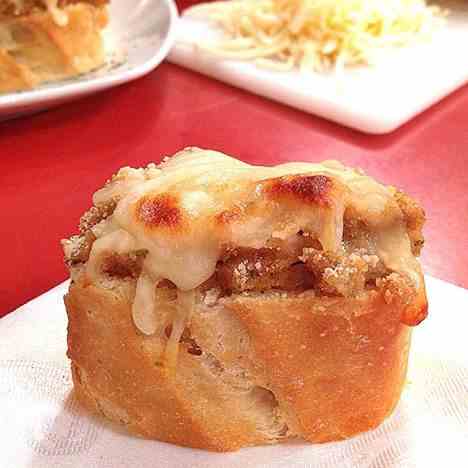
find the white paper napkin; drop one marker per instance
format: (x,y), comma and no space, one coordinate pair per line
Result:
(41,425)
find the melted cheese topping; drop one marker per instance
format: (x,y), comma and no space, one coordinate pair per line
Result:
(123,182)
(185,305)
(184,213)
(394,249)
(207,183)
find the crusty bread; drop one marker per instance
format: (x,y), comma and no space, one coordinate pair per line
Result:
(35,47)
(295,366)
(256,365)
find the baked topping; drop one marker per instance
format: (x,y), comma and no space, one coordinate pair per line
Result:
(247,269)
(202,201)
(205,220)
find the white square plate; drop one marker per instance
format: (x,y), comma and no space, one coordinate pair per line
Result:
(140,33)
(371,99)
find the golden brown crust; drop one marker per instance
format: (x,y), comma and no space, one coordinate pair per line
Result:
(13,75)
(313,189)
(291,365)
(39,49)
(159,212)
(338,366)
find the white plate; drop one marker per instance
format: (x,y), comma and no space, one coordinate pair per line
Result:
(373,100)
(141,33)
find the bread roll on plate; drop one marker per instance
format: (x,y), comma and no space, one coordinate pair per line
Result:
(218,305)
(49,40)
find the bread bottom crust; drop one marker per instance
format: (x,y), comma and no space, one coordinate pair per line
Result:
(34,49)
(257,368)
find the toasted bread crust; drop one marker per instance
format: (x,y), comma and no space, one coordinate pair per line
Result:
(335,367)
(116,373)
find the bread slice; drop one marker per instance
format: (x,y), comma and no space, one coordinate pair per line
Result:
(298,329)
(39,44)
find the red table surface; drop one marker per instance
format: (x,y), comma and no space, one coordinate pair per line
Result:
(51,163)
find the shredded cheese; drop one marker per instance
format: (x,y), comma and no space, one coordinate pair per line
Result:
(316,34)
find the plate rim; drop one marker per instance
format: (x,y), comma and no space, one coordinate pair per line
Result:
(13,101)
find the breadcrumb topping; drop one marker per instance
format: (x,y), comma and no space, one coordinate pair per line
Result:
(288,262)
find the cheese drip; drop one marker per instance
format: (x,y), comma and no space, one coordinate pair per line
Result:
(393,246)
(144,305)
(205,184)
(184,309)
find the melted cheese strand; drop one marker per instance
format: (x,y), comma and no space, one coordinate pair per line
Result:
(184,309)
(144,305)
